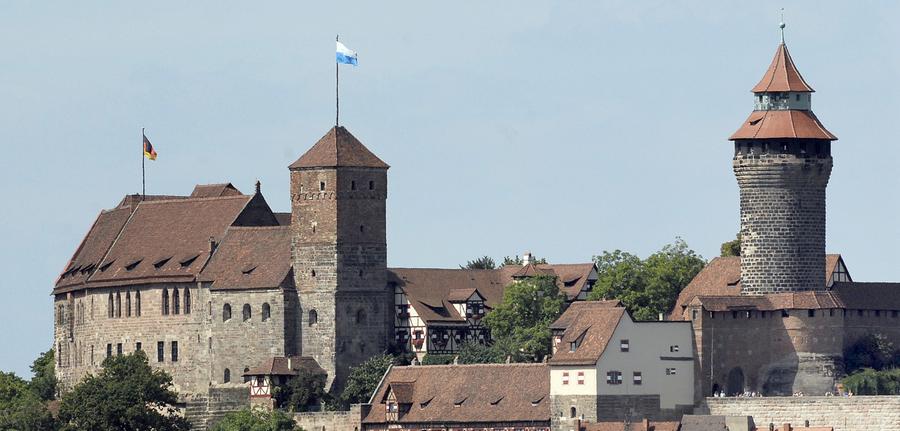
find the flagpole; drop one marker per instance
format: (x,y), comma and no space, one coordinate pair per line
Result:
(143,175)
(337,98)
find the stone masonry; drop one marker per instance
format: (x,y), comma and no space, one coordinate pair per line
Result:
(844,414)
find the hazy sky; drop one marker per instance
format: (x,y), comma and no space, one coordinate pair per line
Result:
(563,128)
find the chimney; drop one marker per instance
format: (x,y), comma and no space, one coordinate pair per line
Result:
(527,258)
(212,244)
(257,186)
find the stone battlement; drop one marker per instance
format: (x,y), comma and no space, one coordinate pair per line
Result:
(858,413)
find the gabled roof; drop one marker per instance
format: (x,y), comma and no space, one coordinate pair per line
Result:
(338,148)
(532,270)
(467,393)
(595,321)
(843,295)
(782,75)
(284,366)
(782,124)
(251,258)
(214,190)
(93,247)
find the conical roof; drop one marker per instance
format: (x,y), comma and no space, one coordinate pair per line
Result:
(782,75)
(338,148)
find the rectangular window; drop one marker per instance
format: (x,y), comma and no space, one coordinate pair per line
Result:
(877,313)
(894,313)
(859,313)
(108,350)
(119,349)
(614,378)
(572,346)
(811,313)
(693,314)
(712,314)
(160,351)
(637,378)
(624,345)
(673,348)
(670,371)
(581,377)
(565,378)
(831,312)
(322,186)
(734,314)
(137,346)
(174,351)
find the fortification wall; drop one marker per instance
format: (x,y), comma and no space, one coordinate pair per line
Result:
(859,413)
(331,421)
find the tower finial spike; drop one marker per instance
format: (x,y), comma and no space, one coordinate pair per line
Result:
(781,25)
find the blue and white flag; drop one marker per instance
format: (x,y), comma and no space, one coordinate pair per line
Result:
(345,55)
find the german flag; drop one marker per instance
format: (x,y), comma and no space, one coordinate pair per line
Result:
(149,152)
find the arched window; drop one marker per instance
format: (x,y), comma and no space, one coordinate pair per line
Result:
(266,311)
(226,312)
(165,302)
(361,316)
(110,309)
(118,304)
(227,376)
(187,301)
(572,412)
(127,303)
(313,318)
(246,377)
(176,301)
(137,303)
(246,312)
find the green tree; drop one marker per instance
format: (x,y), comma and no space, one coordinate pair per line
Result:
(733,247)
(126,395)
(44,381)
(476,353)
(435,359)
(255,420)
(520,324)
(364,379)
(516,260)
(20,407)
(650,286)
(874,350)
(872,382)
(483,262)
(301,392)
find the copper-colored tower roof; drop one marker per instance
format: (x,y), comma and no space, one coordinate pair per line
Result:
(782,124)
(338,148)
(782,75)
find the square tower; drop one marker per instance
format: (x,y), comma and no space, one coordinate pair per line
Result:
(339,253)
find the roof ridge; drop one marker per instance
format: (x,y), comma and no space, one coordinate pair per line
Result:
(257,227)
(190,199)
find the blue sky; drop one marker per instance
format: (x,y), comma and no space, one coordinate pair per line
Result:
(563,128)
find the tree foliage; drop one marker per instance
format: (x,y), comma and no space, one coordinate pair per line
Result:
(364,378)
(650,286)
(301,392)
(256,420)
(126,395)
(733,247)
(517,260)
(436,359)
(520,324)
(20,407)
(874,351)
(44,381)
(872,382)
(483,262)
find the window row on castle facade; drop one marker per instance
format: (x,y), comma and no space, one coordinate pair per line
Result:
(247,312)
(64,357)
(825,312)
(174,307)
(323,186)
(114,307)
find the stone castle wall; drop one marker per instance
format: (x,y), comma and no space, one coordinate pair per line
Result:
(858,413)
(332,420)
(782,217)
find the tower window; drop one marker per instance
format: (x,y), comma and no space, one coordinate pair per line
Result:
(352,185)
(266,311)
(226,312)
(312,273)
(321,185)
(362,228)
(226,378)
(160,351)
(246,312)
(371,185)
(313,318)
(174,351)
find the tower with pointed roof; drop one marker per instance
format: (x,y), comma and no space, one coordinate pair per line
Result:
(339,253)
(782,161)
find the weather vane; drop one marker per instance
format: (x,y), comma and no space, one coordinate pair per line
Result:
(781,25)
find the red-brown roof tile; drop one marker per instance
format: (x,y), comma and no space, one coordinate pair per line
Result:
(782,75)
(284,366)
(595,321)
(782,124)
(214,190)
(468,393)
(338,148)
(644,425)
(93,247)
(251,258)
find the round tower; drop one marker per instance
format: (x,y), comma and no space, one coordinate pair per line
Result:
(782,161)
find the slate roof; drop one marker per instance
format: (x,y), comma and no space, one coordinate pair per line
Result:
(251,258)
(468,393)
(782,75)
(777,124)
(338,148)
(430,290)
(722,277)
(595,321)
(278,366)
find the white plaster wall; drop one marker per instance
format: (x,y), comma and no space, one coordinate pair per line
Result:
(573,388)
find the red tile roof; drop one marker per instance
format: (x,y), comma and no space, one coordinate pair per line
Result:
(595,321)
(782,75)
(782,124)
(467,393)
(846,295)
(251,258)
(643,425)
(93,247)
(338,148)
(284,366)
(214,190)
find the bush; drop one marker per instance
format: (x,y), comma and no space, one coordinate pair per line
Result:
(432,359)
(301,392)
(873,351)
(872,382)
(256,420)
